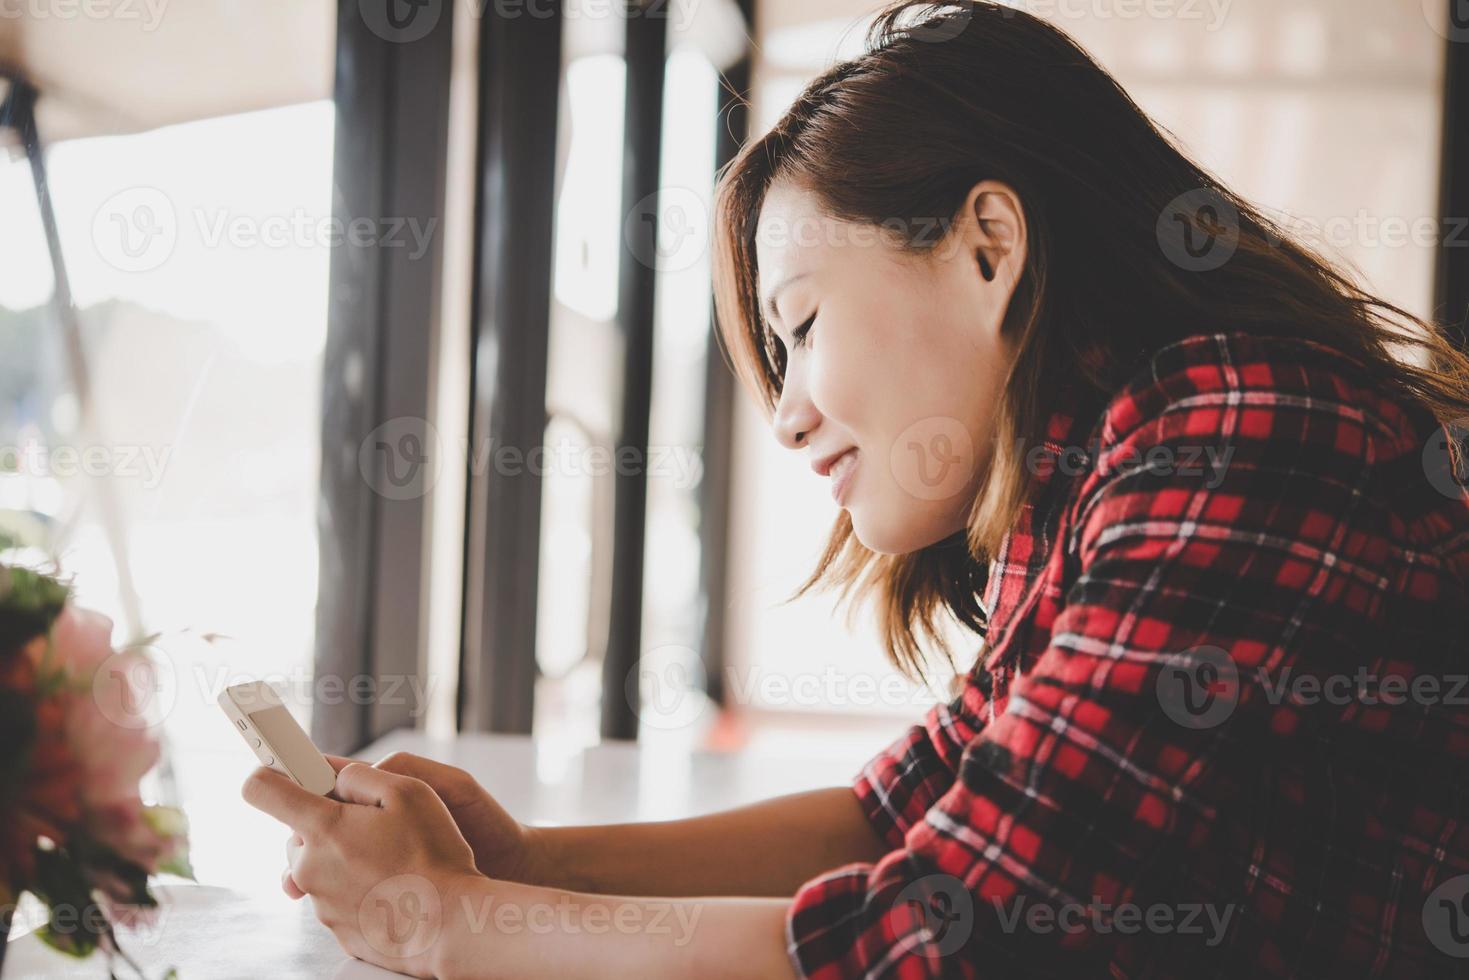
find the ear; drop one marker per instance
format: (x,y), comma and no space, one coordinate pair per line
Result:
(992,230)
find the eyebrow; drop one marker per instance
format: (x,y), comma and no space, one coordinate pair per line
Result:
(770,312)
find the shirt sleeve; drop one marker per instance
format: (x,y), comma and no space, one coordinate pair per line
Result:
(899,784)
(1103,781)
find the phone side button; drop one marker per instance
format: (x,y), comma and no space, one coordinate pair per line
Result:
(268,760)
(255,743)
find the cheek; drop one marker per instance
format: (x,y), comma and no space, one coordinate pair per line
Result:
(866,366)
(841,378)
(925,461)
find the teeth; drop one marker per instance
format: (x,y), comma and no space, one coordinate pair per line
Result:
(841,465)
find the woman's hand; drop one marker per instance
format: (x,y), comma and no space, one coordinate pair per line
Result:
(393,879)
(383,866)
(503,847)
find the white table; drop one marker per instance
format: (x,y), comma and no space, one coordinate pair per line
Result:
(236,922)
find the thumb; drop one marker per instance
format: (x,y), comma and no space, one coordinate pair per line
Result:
(300,809)
(338,762)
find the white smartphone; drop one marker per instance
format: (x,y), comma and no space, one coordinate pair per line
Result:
(260,716)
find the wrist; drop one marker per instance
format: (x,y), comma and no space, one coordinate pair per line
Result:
(548,863)
(452,952)
(536,862)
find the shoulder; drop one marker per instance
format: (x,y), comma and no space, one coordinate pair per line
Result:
(1260,455)
(1268,389)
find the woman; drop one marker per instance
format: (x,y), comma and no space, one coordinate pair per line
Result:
(1189,482)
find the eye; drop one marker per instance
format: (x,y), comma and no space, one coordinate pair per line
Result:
(798,335)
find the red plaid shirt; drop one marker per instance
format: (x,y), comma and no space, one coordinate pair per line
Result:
(1201,752)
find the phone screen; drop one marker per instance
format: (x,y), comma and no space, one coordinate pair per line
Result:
(282,732)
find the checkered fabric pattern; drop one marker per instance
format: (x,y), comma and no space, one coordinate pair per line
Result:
(1224,730)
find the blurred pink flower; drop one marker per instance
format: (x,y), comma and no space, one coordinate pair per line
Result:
(110,732)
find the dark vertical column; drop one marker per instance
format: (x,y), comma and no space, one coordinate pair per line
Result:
(520,71)
(1451,280)
(378,452)
(732,129)
(647,30)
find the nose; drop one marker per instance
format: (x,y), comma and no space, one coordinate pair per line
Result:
(795,414)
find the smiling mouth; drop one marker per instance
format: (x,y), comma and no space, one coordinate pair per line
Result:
(841,472)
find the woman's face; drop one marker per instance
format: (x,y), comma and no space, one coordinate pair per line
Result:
(902,367)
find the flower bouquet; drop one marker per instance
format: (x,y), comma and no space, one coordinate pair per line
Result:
(74,830)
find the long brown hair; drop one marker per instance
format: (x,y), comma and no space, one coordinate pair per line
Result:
(948,94)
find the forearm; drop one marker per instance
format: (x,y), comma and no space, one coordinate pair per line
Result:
(497,929)
(767,848)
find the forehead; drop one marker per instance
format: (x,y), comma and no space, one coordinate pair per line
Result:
(788,232)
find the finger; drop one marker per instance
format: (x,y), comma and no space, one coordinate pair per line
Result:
(293,847)
(444,779)
(289,886)
(359,783)
(296,807)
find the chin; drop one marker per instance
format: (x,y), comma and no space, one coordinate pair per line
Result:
(899,534)
(885,537)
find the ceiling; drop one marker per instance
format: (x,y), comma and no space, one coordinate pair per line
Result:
(141,64)
(116,66)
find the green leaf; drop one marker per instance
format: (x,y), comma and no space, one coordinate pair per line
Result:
(17,735)
(166,821)
(179,865)
(73,942)
(76,922)
(170,822)
(94,858)
(30,601)
(22,529)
